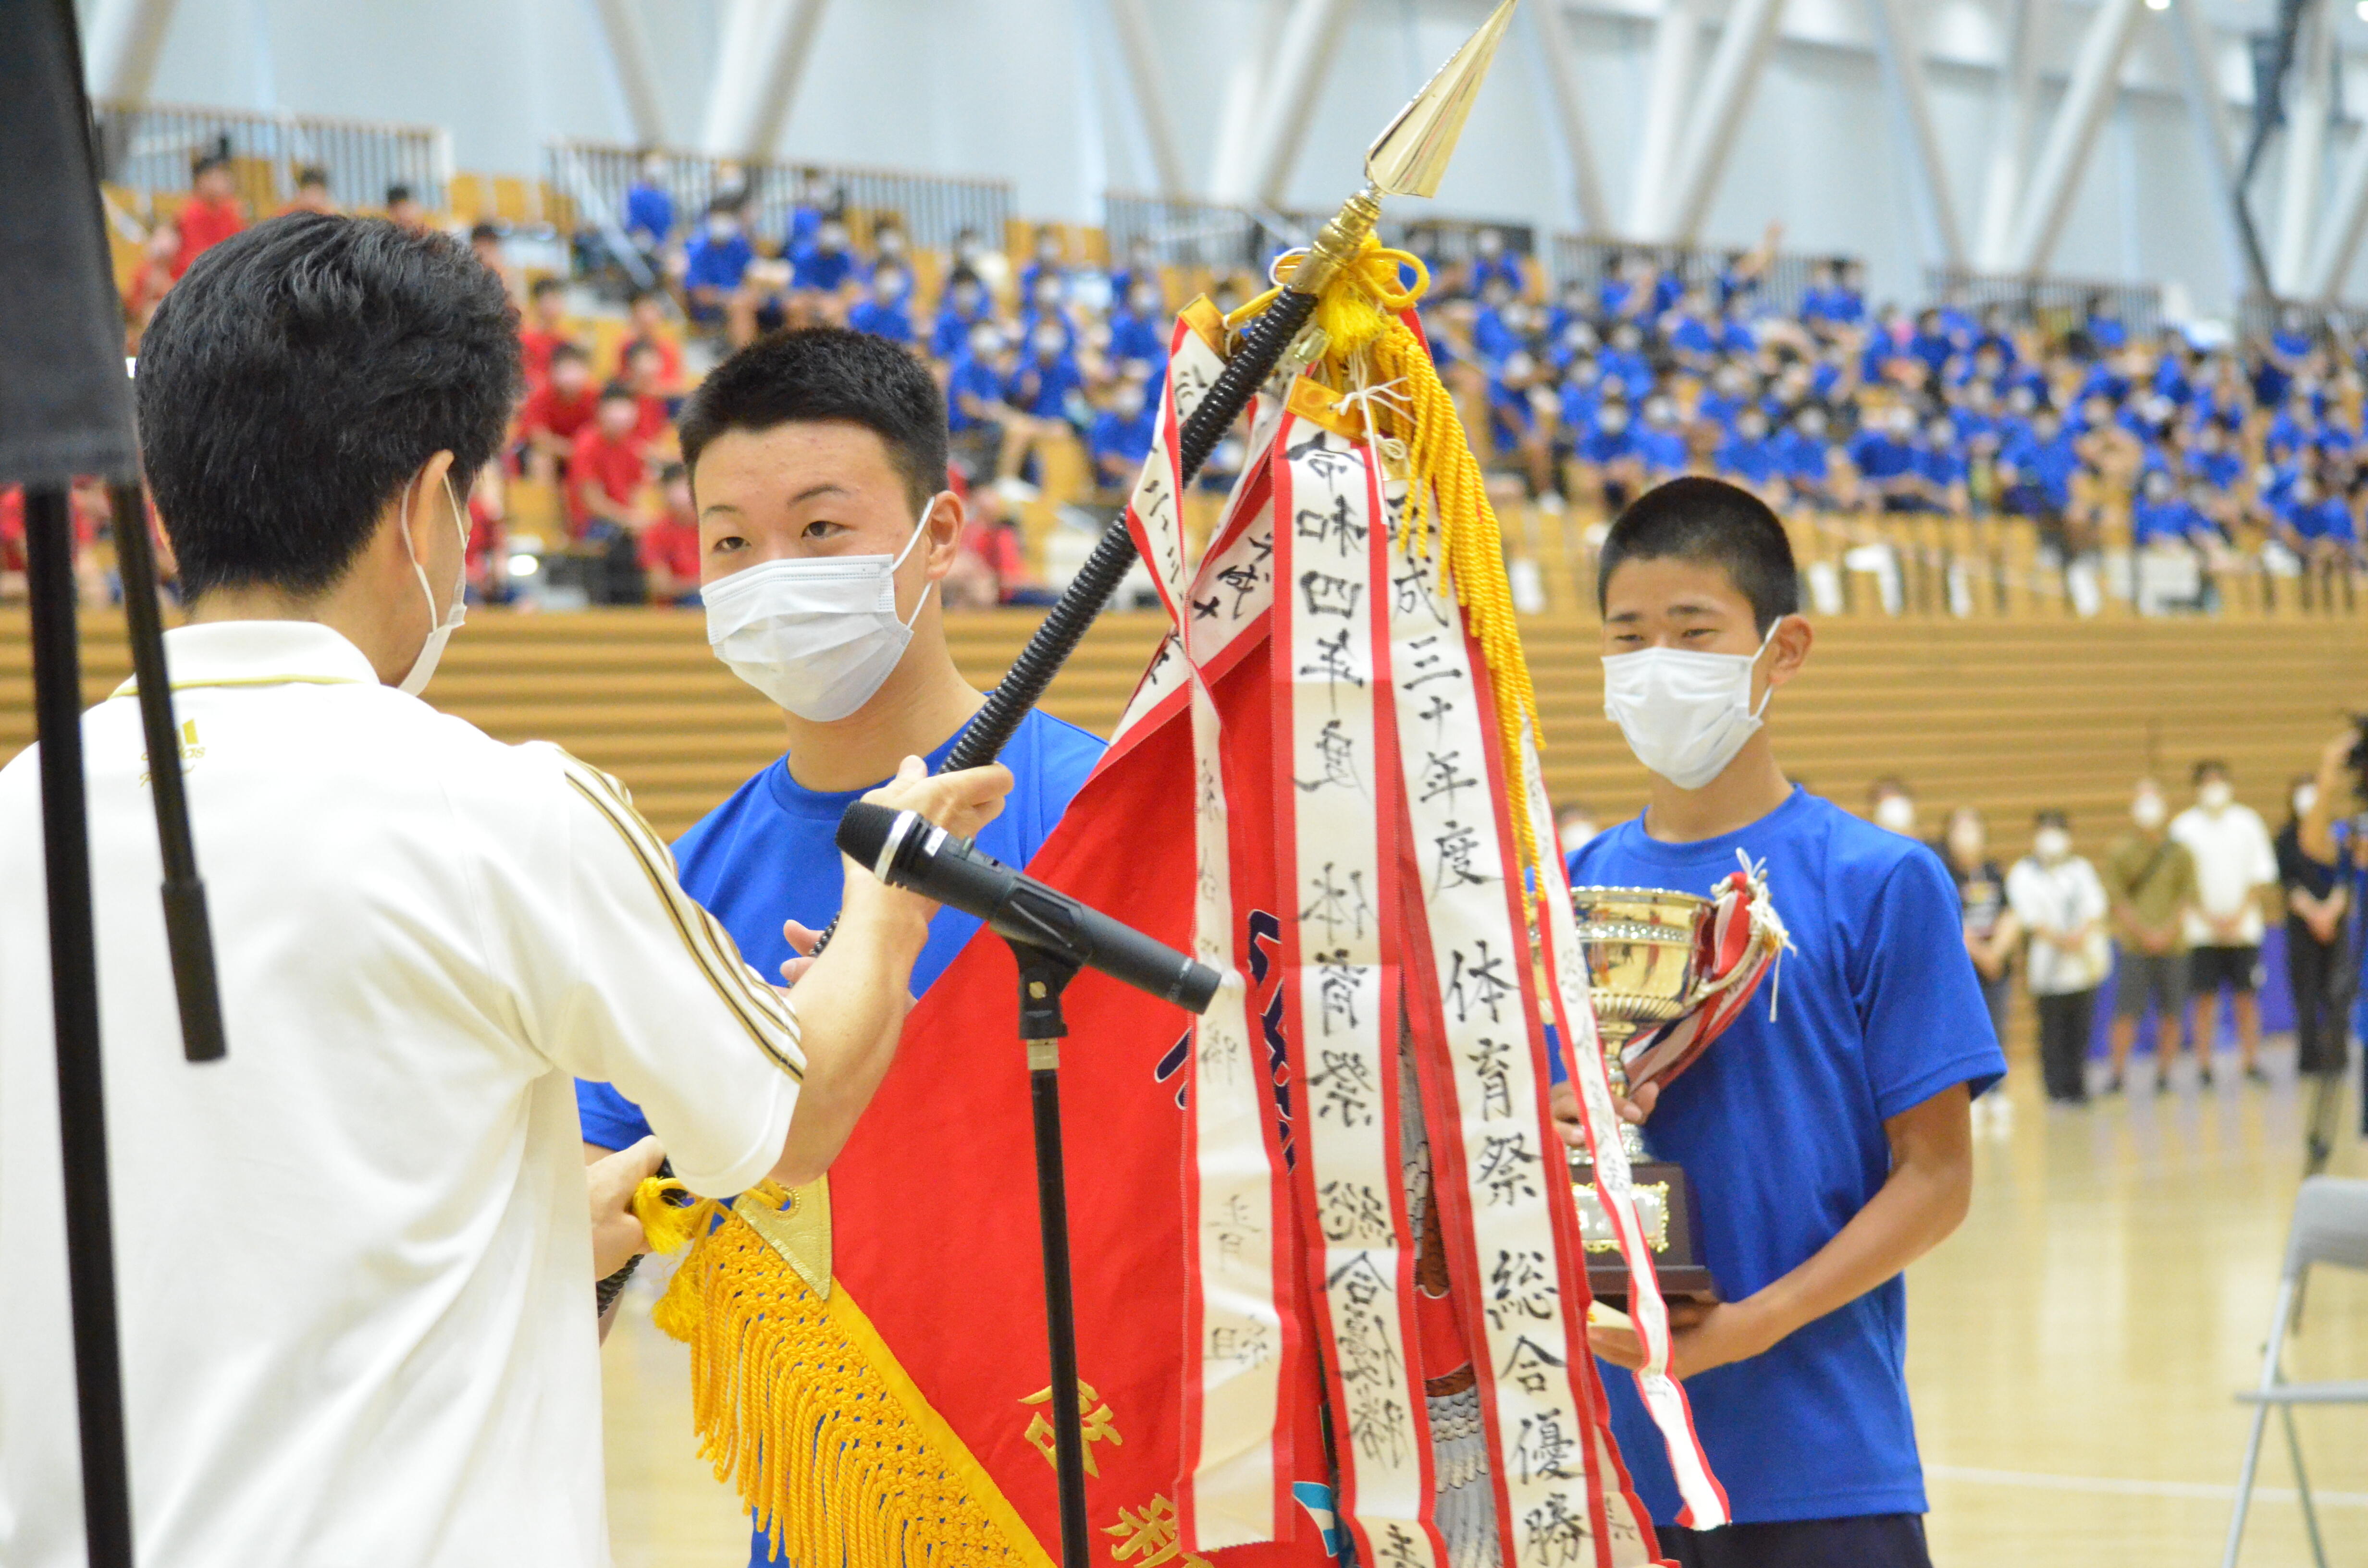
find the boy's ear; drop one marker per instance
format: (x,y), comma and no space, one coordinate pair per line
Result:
(1788,649)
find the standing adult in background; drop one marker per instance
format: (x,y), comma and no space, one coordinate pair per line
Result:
(2058,900)
(817,462)
(2331,831)
(2150,879)
(1991,928)
(2318,895)
(2236,878)
(355,1275)
(1891,806)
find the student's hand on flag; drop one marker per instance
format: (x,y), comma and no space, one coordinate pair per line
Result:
(960,802)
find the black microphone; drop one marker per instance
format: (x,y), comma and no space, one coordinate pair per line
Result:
(905,849)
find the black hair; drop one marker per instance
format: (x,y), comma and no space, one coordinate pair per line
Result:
(2209,767)
(298,377)
(396,195)
(1709,520)
(672,472)
(483,232)
(542,286)
(618,392)
(2052,817)
(207,163)
(313,174)
(822,373)
(569,351)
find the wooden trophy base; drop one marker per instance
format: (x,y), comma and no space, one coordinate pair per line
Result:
(1672,1222)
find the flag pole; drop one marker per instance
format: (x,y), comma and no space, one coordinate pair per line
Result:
(1407,159)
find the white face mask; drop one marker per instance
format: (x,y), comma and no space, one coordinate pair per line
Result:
(2215,795)
(819,636)
(2147,812)
(1896,813)
(1685,713)
(2051,844)
(1575,835)
(2305,797)
(441,623)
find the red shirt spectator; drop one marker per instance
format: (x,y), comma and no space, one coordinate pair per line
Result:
(544,330)
(671,545)
(212,213)
(535,349)
(617,464)
(548,409)
(669,365)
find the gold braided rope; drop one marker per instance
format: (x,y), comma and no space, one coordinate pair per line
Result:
(1371,353)
(799,1403)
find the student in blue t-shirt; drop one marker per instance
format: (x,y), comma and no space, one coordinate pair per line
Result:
(1830,1145)
(812,453)
(1120,436)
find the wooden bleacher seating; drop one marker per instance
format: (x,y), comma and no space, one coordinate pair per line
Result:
(2007,715)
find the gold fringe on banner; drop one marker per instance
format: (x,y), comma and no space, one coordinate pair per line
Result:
(800,1403)
(1381,368)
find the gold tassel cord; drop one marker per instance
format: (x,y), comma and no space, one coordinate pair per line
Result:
(1366,348)
(669,1216)
(798,1404)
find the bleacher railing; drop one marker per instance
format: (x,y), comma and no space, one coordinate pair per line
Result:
(1587,261)
(2055,305)
(933,208)
(150,147)
(1229,238)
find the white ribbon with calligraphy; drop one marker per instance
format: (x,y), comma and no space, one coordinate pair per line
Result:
(1493,1142)
(1233,1491)
(1332,834)
(1705,1501)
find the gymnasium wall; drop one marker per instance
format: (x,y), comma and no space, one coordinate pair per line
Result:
(1034,91)
(2006,715)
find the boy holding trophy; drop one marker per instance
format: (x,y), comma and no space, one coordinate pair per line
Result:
(1827,1146)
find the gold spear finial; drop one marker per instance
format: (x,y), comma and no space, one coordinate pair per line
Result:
(1408,158)
(1410,155)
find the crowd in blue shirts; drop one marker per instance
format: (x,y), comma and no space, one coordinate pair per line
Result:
(1597,387)
(2102,437)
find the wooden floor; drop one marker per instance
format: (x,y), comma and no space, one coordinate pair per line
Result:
(2072,1351)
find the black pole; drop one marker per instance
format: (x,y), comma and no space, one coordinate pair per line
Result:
(74,993)
(1041,977)
(187,932)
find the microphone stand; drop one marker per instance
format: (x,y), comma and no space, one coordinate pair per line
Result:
(1043,975)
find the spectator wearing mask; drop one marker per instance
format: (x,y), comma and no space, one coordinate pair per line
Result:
(643,374)
(2318,898)
(404,210)
(822,276)
(964,306)
(2057,900)
(212,213)
(1891,806)
(1940,466)
(1493,263)
(1991,929)
(1885,456)
(2150,879)
(557,412)
(1608,459)
(646,311)
(1139,328)
(716,279)
(1042,384)
(649,206)
(1046,268)
(669,544)
(1802,457)
(1047,310)
(607,467)
(1121,437)
(1660,444)
(543,331)
(2236,880)
(1747,456)
(885,310)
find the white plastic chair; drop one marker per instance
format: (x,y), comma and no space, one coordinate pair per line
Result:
(2331,1226)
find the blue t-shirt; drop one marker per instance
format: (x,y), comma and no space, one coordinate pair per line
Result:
(1779,1129)
(1130,438)
(824,271)
(893,321)
(649,212)
(767,856)
(710,263)
(971,377)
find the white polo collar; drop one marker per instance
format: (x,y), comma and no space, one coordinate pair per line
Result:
(260,653)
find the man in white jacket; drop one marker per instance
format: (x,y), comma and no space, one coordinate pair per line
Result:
(356,1275)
